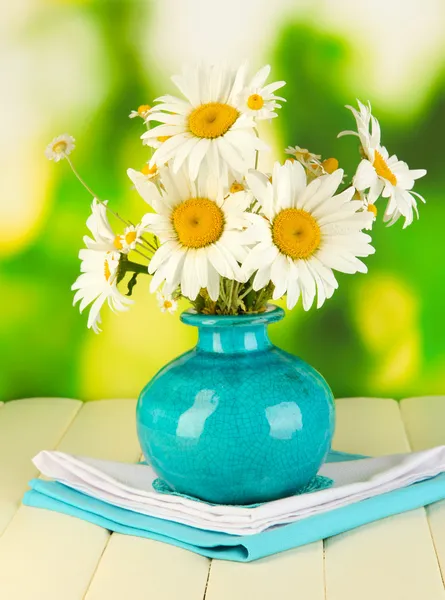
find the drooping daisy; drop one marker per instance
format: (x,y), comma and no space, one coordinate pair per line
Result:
(141,112)
(60,147)
(104,238)
(166,302)
(308,232)
(315,167)
(383,174)
(98,284)
(209,126)
(259,99)
(203,232)
(368,206)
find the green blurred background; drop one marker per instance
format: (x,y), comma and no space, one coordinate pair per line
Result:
(80,67)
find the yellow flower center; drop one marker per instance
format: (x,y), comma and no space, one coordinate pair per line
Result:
(130,237)
(167,304)
(330,165)
(372,209)
(296,233)
(60,147)
(147,170)
(117,243)
(382,169)
(163,138)
(236,187)
(212,120)
(107,271)
(255,102)
(143,108)
(198,222)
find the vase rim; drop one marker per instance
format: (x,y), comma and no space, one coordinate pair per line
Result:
(270,315)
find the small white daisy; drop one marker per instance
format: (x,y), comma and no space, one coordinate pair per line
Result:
(60,147)
(104,238)
(209,126)
(308,231)
(203,232)
(129,239)
(315,167)
(166,302)
(383,174)
(141,112)
(98,284)
(368,206)
(258,99)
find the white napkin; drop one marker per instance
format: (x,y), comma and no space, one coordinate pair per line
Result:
(130,486)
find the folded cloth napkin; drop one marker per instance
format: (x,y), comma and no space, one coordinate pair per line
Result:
(129,487)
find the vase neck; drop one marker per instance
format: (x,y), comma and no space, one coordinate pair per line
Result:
(233,334)
(234,339)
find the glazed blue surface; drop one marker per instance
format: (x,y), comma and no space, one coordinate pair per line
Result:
(236,420)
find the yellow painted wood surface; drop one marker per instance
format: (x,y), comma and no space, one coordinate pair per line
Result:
(49,556)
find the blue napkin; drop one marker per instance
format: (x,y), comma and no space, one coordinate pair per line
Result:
(60,498)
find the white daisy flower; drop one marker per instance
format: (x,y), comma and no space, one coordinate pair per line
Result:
(203,232)
(129,239)
(141,112)
(312,162)
(166,302)
(60,147)
(383,174)
(308,232)
(98,284)
(208,126)
(368,206)
(258,99)
(104,238)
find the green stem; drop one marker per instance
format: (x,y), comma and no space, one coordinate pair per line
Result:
(133,267)
(115,214)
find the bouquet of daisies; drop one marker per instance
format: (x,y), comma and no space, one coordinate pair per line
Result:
(218,231)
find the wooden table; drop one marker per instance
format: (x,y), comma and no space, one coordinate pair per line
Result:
(50,556)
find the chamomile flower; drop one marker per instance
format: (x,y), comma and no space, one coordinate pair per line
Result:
(258,99)
(60,147)
(129,239)
(97,284)
(383,174)
(166,302)
(368,206)
(202,229)
(315,167)
(208,126)
(141,112)
(308,231)
(104,238)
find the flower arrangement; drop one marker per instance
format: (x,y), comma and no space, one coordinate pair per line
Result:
(222,233)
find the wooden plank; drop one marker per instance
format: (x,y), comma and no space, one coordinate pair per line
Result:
(393,558)
(424,419)
(43,553)
(27,426)
(302,575)
(369,425)
(290,575)
(104,429)
(138,569)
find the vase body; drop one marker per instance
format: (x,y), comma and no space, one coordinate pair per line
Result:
(236,420)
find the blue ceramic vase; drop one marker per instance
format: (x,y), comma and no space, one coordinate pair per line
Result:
(236,420)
